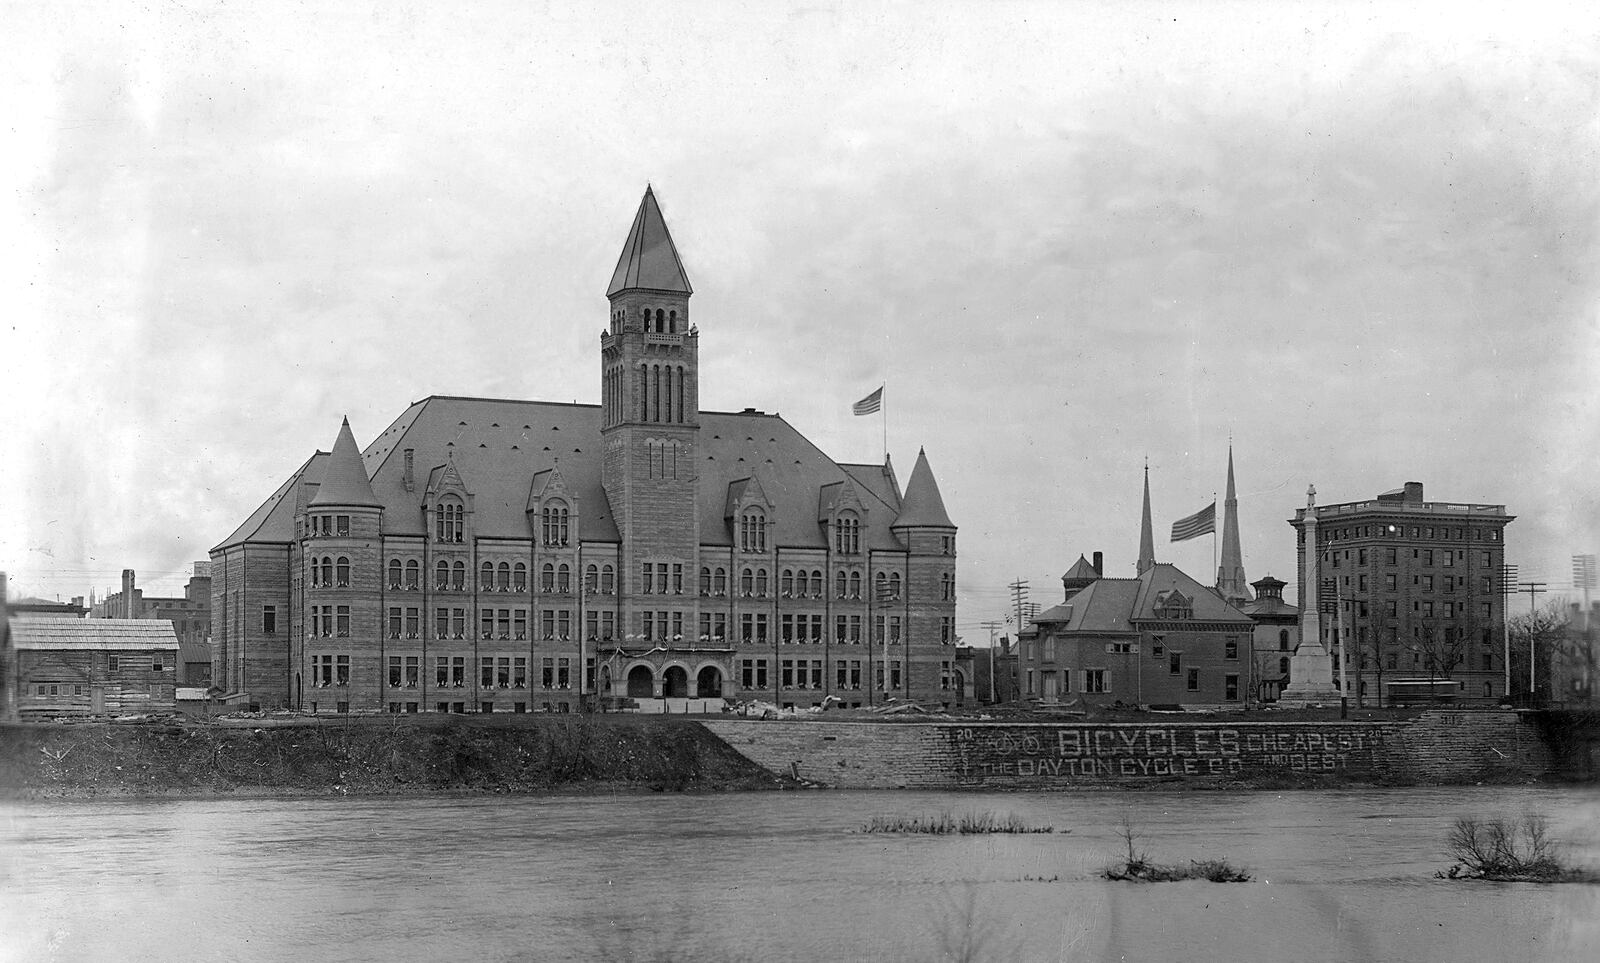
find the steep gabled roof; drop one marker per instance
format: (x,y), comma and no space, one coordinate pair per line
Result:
(1103,606)
(1165,577)
(498,447)
(1081,569)
(273,521)
(649,258)
(344,481)
(923,506)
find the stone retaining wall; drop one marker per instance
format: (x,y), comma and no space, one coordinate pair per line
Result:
(1460,746)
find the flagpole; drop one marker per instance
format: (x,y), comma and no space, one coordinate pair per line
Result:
(883,409)
(1213,531)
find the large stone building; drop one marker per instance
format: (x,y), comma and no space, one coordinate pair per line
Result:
(1412,589)
(508,556)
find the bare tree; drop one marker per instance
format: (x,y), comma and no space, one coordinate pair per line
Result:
(1441,649)
(1560,649)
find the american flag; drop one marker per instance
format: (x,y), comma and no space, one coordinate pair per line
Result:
(1200,523)
(870,404)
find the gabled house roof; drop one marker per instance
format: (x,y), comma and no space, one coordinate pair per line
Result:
(114,634)
(1120,604)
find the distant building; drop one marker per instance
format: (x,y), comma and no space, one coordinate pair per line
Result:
(513,556)
(190,617)
(1574,665)
(1273,641)
(77,666)
(31,608)
(1161,638)
(1411,588)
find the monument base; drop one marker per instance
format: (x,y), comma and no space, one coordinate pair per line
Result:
(1310,678)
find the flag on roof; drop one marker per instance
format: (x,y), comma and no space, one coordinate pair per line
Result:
(1203,522)
(871,404)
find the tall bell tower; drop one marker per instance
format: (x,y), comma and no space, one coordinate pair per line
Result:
(650,401)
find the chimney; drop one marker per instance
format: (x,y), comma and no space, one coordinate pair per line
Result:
(408,478)
(1099,563)
(1413,493)
(127,594)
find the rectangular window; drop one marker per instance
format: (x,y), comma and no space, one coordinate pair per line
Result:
(1094,680)
(841,674)
(1194,680)
(520,625)
(1487,610)
(343,620)
(1230,649)
(441,671)
(563,673)
(677,579)
(269,619)
(341,670)
(816,673)
(486,672)
(1427,583)
(519,673)
(894,630)
(1389,556)
(441,623)
(855,673)
(1175,663)
(547,624)
(648,582)
(855,630)
(343,524)
(413,670)
(1230,688)
(786,673)
(747,627)
(394,671)
(113,663)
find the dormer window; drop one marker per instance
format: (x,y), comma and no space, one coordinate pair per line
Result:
(449,518)
(1174,606)
(847,534)
(554,523)
(753,530)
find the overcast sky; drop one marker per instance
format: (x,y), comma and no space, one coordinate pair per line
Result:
(1069,237)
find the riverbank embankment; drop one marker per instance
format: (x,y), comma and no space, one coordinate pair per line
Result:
(371,756)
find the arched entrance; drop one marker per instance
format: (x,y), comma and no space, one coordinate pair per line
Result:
(708,683)
(641,682)
(675,683)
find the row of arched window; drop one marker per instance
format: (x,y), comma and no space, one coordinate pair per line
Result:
(657,321)
(328,572)
(798,583)
(662,393)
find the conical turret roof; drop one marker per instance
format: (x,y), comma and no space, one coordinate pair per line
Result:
(649,258)
(345,481)
(923,506)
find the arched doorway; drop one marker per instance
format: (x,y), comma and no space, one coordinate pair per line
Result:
(675,683)
(708,683)
(641,682)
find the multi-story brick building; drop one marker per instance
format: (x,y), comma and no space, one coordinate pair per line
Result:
(1415,592)
(510,556)
(190,615)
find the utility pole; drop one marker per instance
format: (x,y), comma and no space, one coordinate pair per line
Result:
(991,626)
(1533,589)
(1019,597)
(1508,582)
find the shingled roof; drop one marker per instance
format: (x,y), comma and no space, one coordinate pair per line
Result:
(135,634)
(498,446)
(1115,604)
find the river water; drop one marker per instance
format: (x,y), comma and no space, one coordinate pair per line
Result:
(1340,876)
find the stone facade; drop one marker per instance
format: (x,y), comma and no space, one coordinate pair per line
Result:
(1438,746)
(509,556)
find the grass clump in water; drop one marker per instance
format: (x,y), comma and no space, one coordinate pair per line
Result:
(1509,851)
(946,824)
(1138,868)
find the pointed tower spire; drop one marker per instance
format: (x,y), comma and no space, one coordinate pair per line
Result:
(649,258)
(1231,584)
(923,506)
(1147,537)
(345,481)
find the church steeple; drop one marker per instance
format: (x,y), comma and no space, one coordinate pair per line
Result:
(1147,538)
(1231,584)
